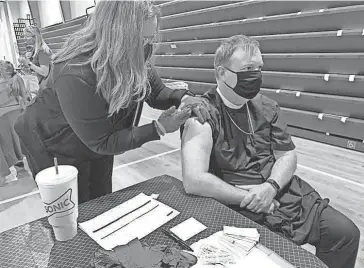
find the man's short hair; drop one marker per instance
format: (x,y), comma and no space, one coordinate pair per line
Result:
(228,47)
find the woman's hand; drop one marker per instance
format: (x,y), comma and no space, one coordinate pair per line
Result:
(172,119)
(23,61)
(200,107)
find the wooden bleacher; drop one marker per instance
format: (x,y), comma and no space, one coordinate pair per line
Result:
(301,42)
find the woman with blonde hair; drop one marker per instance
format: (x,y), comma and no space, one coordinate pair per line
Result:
(38,55)
(13,99)
(90,108)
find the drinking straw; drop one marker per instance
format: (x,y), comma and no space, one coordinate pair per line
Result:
(56,164)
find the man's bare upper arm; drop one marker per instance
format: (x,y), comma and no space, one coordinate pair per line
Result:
(196,147)
(278,154)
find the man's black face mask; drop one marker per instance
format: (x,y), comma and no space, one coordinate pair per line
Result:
(148,51)
(248,83)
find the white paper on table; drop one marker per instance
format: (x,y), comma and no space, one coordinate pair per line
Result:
(187,229)
(139,228)
(256,258)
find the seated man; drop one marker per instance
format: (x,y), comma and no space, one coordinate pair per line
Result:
(246,160)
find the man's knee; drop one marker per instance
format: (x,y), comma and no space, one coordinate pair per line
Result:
(339,239)
(351,233)
(342,231)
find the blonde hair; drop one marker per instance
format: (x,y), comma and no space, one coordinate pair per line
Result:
(228,47)
(39,44)
(16,84)
(113,42)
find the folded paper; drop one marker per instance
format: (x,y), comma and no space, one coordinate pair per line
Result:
(133,214)
(187,229)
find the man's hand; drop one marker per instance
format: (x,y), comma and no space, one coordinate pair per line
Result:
(200,107)
(270,209)
(259,197)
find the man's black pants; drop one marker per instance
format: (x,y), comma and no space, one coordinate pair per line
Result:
(339,242)
(339,237)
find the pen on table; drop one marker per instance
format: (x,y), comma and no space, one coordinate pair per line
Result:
(182,243)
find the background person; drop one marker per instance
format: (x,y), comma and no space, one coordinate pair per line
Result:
(13,99)
(38,55)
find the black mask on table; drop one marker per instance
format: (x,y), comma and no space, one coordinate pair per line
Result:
(248,83)
(148,51)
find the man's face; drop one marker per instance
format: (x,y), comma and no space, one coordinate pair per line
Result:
(240,61)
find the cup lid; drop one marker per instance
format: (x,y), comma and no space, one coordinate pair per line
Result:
(48,176)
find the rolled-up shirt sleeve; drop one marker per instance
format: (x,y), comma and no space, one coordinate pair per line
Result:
(280,138)
(87,114)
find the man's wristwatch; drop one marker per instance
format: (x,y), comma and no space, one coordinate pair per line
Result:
(274,184)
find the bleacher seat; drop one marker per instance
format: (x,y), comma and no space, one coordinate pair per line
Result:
(341,63)
(319,42)
(310,21)
(181,6)
(243,10)
(315,83)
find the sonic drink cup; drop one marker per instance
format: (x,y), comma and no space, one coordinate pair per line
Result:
(59,193)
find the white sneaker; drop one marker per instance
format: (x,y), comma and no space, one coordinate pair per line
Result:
(12,176)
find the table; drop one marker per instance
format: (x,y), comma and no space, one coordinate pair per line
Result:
(33,245)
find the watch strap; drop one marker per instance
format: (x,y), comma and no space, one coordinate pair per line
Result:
(274,184)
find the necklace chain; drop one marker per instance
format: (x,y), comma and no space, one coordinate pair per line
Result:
(249,119)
